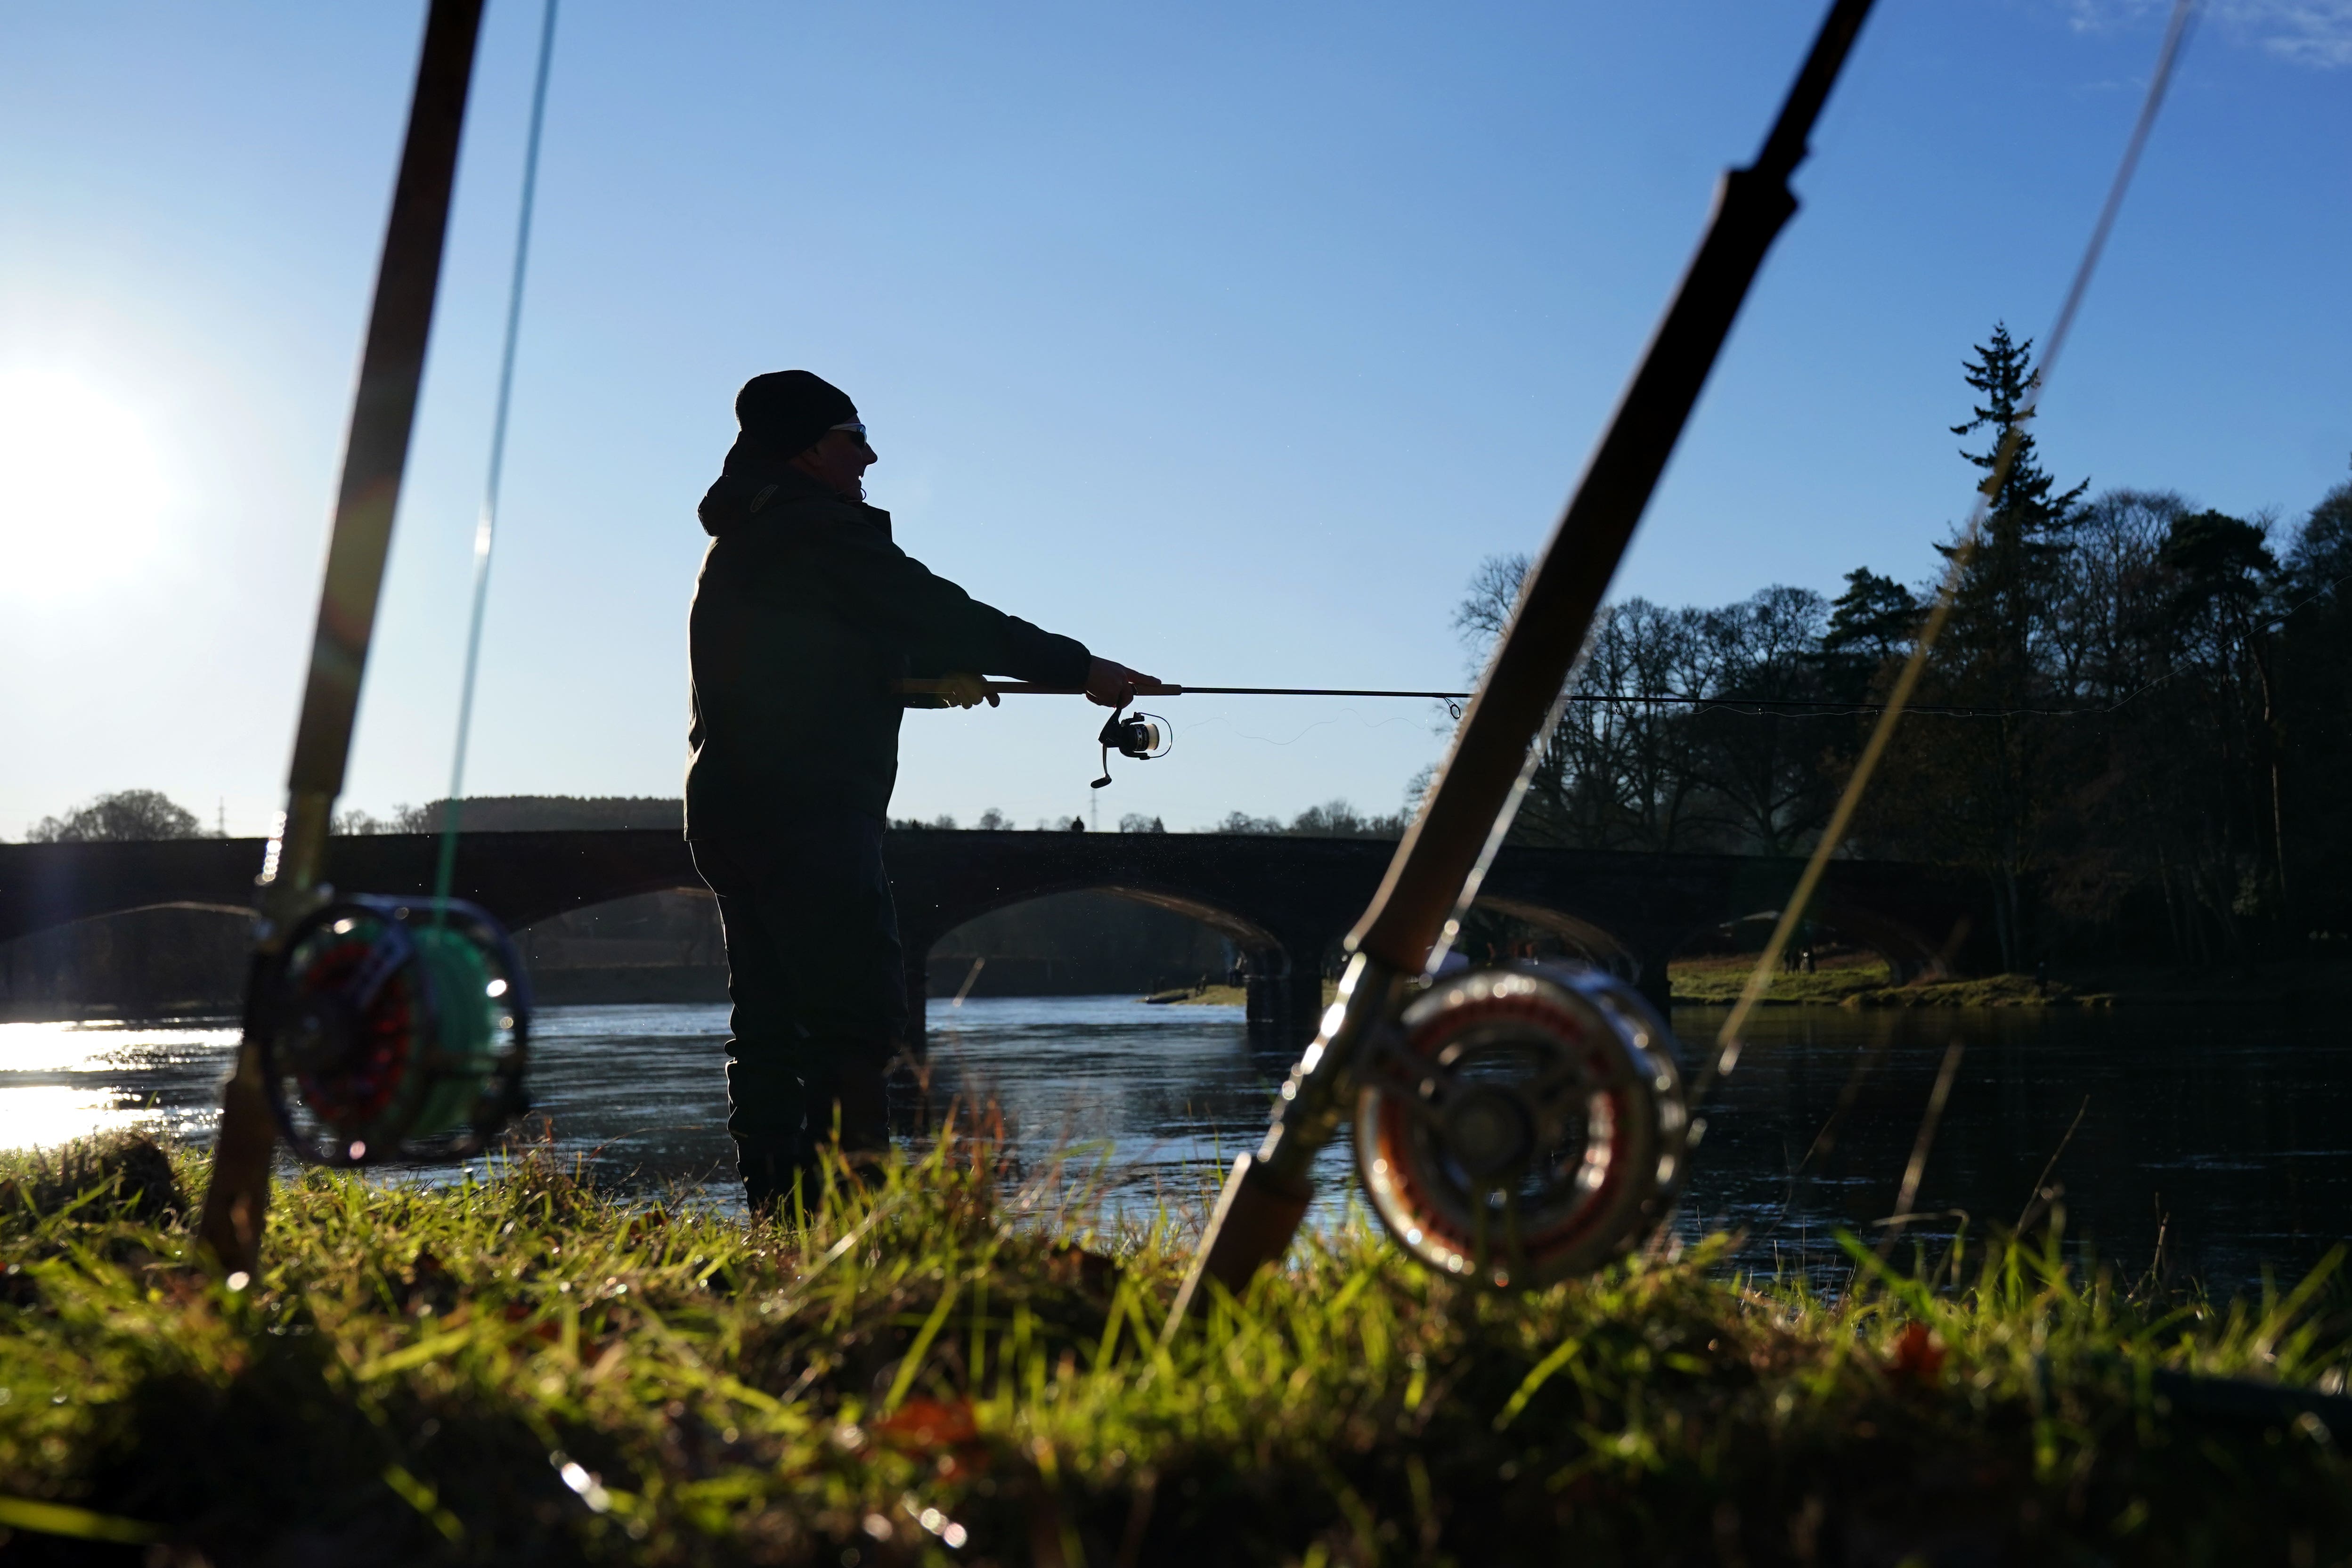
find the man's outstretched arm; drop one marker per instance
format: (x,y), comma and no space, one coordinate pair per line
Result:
(1110,684)
(882,585)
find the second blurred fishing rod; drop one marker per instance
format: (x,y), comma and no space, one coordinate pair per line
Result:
(1471,1169)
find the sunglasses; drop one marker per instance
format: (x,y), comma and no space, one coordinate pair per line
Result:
(854,428)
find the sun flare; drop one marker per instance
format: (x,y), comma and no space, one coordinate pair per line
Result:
(80,485)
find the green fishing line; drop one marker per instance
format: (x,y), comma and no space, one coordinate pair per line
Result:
(487,529)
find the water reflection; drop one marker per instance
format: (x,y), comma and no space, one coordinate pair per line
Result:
(1170,1094)
(2219,1133)
(2224,1132)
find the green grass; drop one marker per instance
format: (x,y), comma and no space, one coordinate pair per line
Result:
(1992,991)
(1868,983)
(1717,981)
(525,1371)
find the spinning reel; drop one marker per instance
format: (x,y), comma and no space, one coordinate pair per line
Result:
(1145,736)
(1522,1124)
(396,1030)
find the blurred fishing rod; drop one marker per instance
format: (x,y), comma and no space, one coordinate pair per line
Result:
(375,1028)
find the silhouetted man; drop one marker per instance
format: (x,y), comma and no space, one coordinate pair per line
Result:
(805,616)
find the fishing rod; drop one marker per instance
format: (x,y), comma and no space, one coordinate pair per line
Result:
(1142,737)
(1146,738)
(1826,706)
(374,1028)
(942,688)
(1515,1126)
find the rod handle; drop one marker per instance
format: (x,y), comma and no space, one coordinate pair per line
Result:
(1257,1213)
(924,688)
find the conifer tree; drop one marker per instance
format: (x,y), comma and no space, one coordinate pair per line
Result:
(2005,588)
(1871,626)
(1984,792)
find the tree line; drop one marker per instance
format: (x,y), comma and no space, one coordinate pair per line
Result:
(2153,711)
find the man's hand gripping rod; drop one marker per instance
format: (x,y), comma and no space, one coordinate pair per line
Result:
(1438,864)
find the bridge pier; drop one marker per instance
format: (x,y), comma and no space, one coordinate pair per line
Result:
(916,968)
(1651,982)
(1284,987)
(1266,1000)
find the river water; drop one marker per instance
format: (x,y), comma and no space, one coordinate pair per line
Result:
(2222,1137)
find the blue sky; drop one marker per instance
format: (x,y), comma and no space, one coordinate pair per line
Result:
(1226,337)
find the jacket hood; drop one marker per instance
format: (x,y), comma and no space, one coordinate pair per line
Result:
(753,481)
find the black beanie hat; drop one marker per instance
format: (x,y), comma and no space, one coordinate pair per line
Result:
(787,411)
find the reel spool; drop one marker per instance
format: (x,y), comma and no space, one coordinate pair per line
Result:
(1524,1124)
(1145,736)
(393,1034)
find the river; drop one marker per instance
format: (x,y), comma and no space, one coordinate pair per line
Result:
(2223,1135)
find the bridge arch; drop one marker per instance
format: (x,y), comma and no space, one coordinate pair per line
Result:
(659,945)
(1273,963)
(1591,941)
(1909,953)
(1216,914)
(169,958)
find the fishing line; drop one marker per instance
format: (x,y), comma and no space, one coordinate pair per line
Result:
(1727,1039)
(1227,719)
(485,530)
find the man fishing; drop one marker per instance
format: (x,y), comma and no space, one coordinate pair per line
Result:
(805,616)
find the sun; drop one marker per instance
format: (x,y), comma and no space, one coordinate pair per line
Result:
(80,485)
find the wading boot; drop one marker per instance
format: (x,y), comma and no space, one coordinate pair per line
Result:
(855,1119)
(769,1168)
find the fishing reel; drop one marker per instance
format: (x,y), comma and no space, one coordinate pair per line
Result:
(1145,736)
(395,1030)
(1523,1124)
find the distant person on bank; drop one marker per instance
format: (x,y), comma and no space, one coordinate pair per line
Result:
(805,615)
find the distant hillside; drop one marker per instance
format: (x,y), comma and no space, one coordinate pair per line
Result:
(526,813)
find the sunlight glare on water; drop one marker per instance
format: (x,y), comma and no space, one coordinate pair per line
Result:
(104,1046)
(64,1080)
(42,1116)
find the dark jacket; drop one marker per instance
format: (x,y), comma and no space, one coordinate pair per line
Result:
(805,615)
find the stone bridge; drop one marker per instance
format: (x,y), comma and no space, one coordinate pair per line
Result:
(1285,902)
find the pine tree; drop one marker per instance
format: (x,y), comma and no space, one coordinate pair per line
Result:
(1871,626)
(2004,593)
(1985,791)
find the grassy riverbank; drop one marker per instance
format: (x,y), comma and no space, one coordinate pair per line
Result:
(1717,980)
(525,1371)
(1853,979)
(1988,991)
(1859,981)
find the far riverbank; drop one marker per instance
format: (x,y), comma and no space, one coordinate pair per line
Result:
(1853,980)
